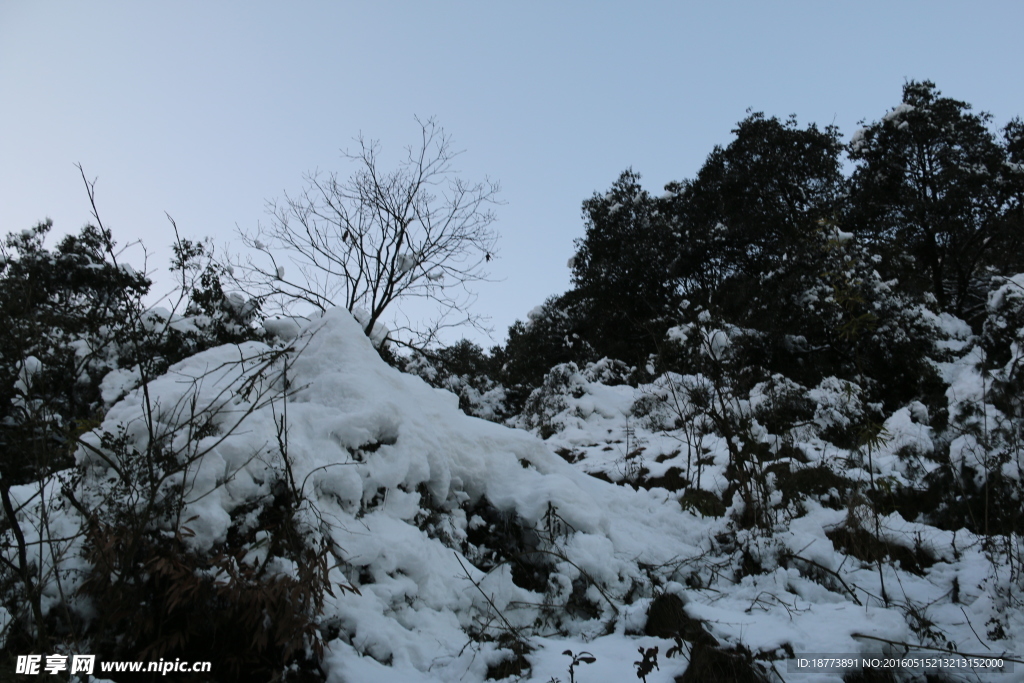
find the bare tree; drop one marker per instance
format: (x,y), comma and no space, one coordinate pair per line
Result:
(377,237)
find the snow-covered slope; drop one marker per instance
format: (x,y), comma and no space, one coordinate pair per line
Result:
(408,490)
(459,544)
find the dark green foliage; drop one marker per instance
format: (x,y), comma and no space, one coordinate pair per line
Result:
(1008,260)
(646,262)
(752,204)
(464,358)
(60,312)
(545,403)
(766,280)
(516,663)
(818,482)
(1013,139)
(154,598)
(69,317)
(467,371)
(577,659)
(622,271)
(647,664)
(672,480)
(867,547)
(706,241)
(981,487)
(980,499)
(501,537)
(808,298)
(667,618)
(828,313)
(63,315)
(1001,338)
(554,334)
(227,318)
(701,502)
(936,190)
(544,408)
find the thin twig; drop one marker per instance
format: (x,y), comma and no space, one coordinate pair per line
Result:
(830,571)
(972,629)
(486,597)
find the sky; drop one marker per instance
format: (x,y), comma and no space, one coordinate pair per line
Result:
(205,111)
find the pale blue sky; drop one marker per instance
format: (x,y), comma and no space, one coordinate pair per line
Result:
(206,109)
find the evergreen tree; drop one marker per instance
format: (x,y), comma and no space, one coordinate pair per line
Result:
(63,316)
(934,184)
(550,336)
(705,241)
(1009,260)
(621,271)
(71,315)
(751,206)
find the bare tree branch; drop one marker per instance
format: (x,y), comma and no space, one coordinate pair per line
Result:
(377,238)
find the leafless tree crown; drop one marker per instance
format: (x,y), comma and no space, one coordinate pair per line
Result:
(377,237)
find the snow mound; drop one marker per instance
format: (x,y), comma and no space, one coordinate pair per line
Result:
(454,540)
(440,521)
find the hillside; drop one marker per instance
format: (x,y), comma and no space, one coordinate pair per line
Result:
(457,549)
(778,416)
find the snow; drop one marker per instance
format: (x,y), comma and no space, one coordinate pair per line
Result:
(378,333)
(400,482)
(1011,290)
(859,139)
(405,262)
(284,327)
(534,314)
(842,237)
(898,111)
(30,366)
(117,383)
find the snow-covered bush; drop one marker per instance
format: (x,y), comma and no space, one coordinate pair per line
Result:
(76,337)
(983,488)
(555,404)
(553,334)
(172,525)
(546,405)
(465,370)
(1002,339)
